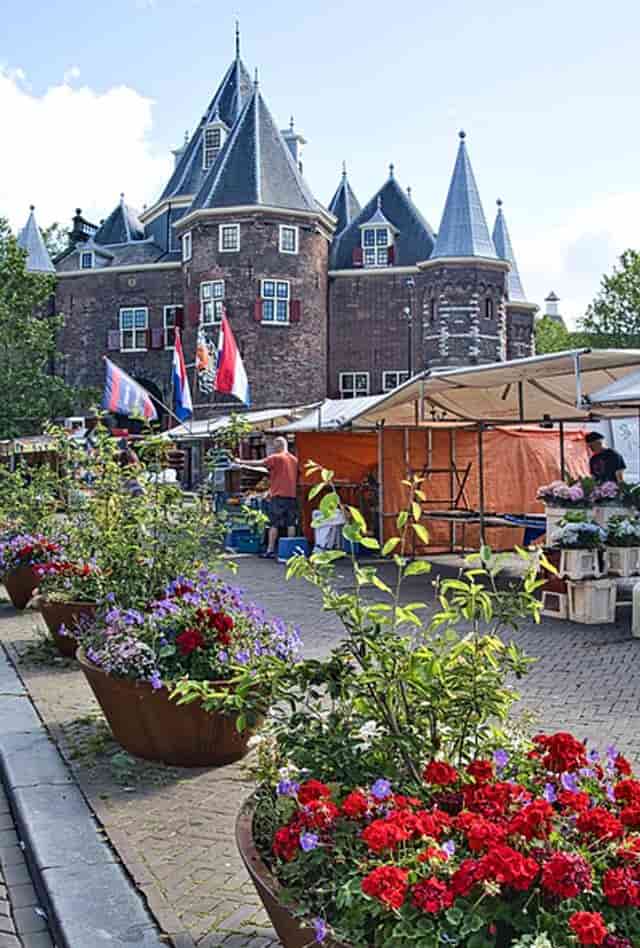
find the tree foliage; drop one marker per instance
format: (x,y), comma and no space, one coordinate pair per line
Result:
(29,393)
(612,321)
(56,239)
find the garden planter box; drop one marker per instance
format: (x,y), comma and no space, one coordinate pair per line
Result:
(21,584)
(148,725)
(554,515)
(593,602)
(555,605)
(291,931)
(57,614)
(602,513)
(622,560)
(579,564)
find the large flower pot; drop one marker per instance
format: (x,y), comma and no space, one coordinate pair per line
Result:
(602,513)
(292,931)
(21,584)
(147,724)
(622,560)
(67,614)
(580,564)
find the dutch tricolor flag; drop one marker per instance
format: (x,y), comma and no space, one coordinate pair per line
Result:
(183,405)
(231,377)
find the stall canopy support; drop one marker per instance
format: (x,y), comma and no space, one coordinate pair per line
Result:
(481,482)
(562,457)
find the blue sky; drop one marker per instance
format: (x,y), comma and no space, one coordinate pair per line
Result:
(547,93)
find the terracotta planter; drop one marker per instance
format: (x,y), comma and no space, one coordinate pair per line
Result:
(56,614)
(21,584)
(292,931)
(147,724)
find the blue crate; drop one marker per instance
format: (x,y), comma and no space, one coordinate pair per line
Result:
(289,546)
(243,540)
(348,547)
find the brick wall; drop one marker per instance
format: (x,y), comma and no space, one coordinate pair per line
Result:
(520,332)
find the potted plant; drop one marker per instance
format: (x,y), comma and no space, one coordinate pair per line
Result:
(68,592)
(189,680)
(609,500)
(580,541)
(19,558)
(622,550)
(559,497)
(405,721)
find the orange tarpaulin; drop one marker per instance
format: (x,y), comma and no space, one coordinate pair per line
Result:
(516,462)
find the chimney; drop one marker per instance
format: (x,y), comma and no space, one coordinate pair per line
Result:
(81,229)
(294,142)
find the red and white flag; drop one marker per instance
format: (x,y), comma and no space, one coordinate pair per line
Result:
(231,376)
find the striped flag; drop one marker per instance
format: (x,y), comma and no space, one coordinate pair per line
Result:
(231,377)
(183,405)
(124,396)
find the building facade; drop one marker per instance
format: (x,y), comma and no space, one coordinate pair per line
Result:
(341,300)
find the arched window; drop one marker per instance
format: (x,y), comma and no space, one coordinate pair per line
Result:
(488,308)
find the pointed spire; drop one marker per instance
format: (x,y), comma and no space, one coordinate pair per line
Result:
(344,204)
(30,239)
(391,170)
(463,228)
(237,39)
(502,243)
(344,169)
(255,78)
(122,226)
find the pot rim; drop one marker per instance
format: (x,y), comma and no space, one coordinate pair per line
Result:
(67,602)
(81,657)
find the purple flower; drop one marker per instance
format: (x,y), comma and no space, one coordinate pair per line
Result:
(610,794)
(156,681)
(223,656)
(381,789)
(242,658)
(308,841)
(569,782)
(549,793)
(287,788)
(612,752)
(320,928)
(586,772)
(501,759)
(594,756)
(449,848)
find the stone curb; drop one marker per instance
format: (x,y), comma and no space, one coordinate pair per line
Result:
(88,897)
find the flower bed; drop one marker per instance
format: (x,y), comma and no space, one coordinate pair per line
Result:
(19,557)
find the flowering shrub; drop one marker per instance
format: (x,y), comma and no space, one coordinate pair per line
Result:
(26,550)
(199,633)
(63,581)
(607,493)
(623,531)
(538,848)
(579,536)
(560,494)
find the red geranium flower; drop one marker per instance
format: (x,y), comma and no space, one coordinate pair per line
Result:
(589,927)
(566,875)
(432,895)
(388,884)
(533,822)
(189,640)
(319,814)
(630,816)
(563,752)
(286,843)
(628,791)
(355,805)
(480,770)
(480,833)
(621,888)
(313,790)
(622,765)
(439,773)
(600,823)
(509,867)
(464,878)
(384,834)
(576,801)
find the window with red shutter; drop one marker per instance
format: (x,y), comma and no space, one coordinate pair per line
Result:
(179,311)
(257,311)
(391,255)
(194,312)
(148,340)
(113,340)
(157,339)
(295,311)
(356,257)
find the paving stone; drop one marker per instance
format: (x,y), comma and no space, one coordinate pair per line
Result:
(36,940)
(28,920)
(9,941)
(32,760)
(11,856)
(17,715)
(17,874)
(23,895)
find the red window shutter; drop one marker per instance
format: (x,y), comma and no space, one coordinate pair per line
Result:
(356,257)
(295,311)
(391,255)
(257,311)
(180,317)
(113,340)
(157,338)
(148,343)
(194,312)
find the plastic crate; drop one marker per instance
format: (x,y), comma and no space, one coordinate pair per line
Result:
(243,540)
(289,546)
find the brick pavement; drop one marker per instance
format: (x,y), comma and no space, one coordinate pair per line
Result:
(174,829)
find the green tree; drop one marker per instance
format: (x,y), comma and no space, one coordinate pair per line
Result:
(612,321)
(56,239)
(551,336)
(29,393)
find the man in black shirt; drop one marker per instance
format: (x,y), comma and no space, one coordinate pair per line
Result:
(605,464)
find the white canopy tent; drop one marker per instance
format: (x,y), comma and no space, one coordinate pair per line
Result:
(621,394)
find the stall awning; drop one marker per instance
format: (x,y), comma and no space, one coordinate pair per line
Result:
(333,413)
(205,427)
(625,392)
(557,385)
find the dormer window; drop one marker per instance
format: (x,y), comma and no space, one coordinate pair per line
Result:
(86,260)
(213,141)
(375,246)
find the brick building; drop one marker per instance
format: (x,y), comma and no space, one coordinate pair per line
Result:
(336,301)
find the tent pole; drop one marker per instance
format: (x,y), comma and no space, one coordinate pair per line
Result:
(481,482)
(638,441)
(452,485)
(380,487)
(562,460)
(406,454)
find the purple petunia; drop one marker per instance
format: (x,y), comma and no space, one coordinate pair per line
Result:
(287,788)
(156,681)
(381,789)
(449,848)
(501,759)
(549,793)
(569,782)
(308,841)
(320,929)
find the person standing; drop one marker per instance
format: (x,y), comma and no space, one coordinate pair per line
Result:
(283,486)
(604,463)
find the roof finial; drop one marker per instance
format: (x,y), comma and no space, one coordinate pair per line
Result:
(344,169)
(237,39)
(291,123)
(409,191)
(462,135)
(122,197)
(255,79)
(379,202)
(499,202)
(32,207)
(186,137)
(391,170)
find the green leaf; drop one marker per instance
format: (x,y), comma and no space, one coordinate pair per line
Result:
(315,490)
(421,532)
(416,510)
(370,543)
(390,546)
(401,519)
(417,568)
(358,519)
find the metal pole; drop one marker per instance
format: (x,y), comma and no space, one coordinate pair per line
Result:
(380,487)
(481,482)
(521,401)
(452,486)
(562,459)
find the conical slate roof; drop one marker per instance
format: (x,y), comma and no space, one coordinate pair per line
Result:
(121,226)
(344,204)
(30,239)
(255,166)
(463,229)
(226,107)
(414,238)
(502,243)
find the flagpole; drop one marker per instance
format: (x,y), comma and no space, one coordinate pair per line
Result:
(161,403)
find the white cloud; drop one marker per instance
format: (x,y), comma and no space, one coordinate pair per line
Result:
(571,256)
(73,72)
(75,147)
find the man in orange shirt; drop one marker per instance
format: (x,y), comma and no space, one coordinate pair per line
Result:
(283,484)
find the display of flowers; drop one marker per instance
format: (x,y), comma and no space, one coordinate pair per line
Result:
(27,549)
(579,535)
(534,848)
(199,631)
(623,531)
(63,581)
(560,494)
(607,493)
